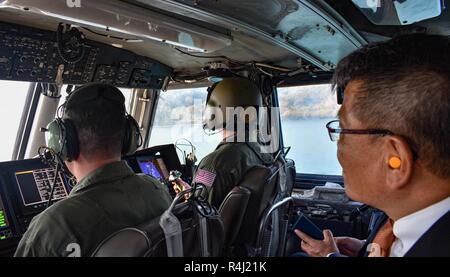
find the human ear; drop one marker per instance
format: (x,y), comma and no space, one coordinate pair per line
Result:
(399,162)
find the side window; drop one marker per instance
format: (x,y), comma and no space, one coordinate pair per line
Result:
(178,118)
(305,110)
(12,96)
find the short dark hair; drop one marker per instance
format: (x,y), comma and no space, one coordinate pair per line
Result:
(98,113)
(405,89)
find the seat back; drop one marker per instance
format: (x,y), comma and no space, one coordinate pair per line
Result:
(282,208)
(191,229)
(262,183)
(127,242)
(258,227)
(232,211)
(244,205)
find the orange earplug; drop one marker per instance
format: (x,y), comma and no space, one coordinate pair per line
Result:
(395,162)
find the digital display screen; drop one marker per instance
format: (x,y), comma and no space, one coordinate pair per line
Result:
(154,167)
(3,219)
(149,168)
(35,186)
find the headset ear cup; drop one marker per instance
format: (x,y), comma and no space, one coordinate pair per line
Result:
(53,136)
(72,145)
(62,138)
(132,137)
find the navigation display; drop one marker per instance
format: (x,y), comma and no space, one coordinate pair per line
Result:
(35,186)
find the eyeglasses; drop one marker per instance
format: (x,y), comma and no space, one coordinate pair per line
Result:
(334,131)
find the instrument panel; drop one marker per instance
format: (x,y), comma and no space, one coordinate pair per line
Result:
(33,55)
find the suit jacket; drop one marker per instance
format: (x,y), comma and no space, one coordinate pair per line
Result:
(434,243)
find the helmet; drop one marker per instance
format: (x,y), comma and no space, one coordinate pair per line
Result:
(230,93)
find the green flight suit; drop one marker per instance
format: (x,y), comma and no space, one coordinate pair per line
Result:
(228,164)
(108,199)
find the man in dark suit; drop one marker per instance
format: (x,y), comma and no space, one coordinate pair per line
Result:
(393,137)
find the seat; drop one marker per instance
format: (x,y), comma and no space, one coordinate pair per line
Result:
(127,242)
(190,229)
(232,211)
(258,226)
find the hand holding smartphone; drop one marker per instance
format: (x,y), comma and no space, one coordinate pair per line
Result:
(306,226)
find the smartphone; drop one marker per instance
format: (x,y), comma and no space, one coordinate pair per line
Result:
(306,226)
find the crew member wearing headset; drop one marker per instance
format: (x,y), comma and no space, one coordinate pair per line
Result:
(223,168)
(91,136)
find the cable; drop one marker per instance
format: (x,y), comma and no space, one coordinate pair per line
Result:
(257,64)
(182,152)
(53,186)
(49,157)
(209,57)
(193,78)
(278,68)
(264,72)
(190,156)
(113,37)
(76,40)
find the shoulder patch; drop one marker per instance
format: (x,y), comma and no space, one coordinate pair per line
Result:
(205,177)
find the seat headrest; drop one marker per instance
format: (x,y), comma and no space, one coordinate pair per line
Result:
(128,242)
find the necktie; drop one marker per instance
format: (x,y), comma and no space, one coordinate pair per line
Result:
(381,244)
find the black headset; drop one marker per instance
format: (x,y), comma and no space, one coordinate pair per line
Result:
(61,134)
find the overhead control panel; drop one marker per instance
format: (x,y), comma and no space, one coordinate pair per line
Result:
(34,55)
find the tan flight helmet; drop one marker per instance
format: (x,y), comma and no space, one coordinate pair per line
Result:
(227,98)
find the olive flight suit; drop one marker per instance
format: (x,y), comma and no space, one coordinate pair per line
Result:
(106,200)
(222,169)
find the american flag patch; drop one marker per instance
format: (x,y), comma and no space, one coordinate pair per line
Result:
(205,177)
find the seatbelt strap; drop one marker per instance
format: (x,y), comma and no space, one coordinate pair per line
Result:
(172,231)
(281,164)
(203,236)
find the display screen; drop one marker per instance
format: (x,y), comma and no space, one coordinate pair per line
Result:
(149,168)
(154,167)
(35,186)
(3,219)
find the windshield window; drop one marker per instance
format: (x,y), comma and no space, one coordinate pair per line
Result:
(178,120)
(305,110)
(12,96)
